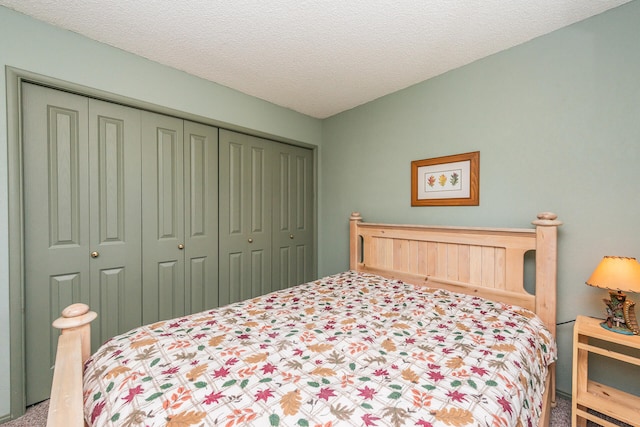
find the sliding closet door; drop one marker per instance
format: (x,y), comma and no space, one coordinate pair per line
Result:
(201,216)
(81,220)
(293,217)
(162,217)
(245,217)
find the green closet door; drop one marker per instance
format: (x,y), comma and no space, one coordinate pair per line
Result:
(201,216)
(180,217)
(245,217)
(162,217)
(115,215)
(293,216)
(81,197)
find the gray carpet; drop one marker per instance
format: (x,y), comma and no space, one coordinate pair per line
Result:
(36,416)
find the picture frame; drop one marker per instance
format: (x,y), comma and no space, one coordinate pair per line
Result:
(446,181)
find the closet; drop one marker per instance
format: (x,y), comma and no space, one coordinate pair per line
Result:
(141,215)
(120,212)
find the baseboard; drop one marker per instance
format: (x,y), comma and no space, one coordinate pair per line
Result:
(563,395)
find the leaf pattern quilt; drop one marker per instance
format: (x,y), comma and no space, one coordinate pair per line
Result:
(350,349)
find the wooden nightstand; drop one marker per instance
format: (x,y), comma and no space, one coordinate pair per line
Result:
(588,394)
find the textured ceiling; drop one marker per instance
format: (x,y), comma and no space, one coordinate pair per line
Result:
(315,57)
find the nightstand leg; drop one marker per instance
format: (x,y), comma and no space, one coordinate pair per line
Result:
(577,421)
(580,368)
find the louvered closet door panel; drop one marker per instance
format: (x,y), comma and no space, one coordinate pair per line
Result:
(56,222)
(115,214)
(201,216)
(164,294)
(293,246)
(245,217)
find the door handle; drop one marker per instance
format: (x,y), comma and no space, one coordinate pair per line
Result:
(95,254)
(291,236)
(180,246)
(250,240)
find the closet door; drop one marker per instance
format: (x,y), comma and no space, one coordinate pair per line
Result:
(180,217)
(201,216)
(56,222)
(162,217)
(245,217)
(114,216)
(293,216)
(81,197)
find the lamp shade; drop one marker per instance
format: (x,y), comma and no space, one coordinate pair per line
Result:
(616,273)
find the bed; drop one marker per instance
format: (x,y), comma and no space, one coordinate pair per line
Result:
(430,326)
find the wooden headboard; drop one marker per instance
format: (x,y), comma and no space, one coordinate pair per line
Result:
(487,262)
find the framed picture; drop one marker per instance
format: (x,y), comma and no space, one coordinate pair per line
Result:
(446,181)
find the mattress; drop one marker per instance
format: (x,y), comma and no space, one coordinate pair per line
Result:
(350,349)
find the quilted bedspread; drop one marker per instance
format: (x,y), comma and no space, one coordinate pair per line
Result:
(347,350)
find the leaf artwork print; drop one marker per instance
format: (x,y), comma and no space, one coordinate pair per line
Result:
(442,180)
(454,178)
(348,349)
(431,181)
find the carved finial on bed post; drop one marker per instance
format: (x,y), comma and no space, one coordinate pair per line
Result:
(77,317)
(548,219)
(354,247)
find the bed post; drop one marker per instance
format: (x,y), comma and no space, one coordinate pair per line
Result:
(546,267)
(546,278)
(74,348)
(77,317)
(354,241)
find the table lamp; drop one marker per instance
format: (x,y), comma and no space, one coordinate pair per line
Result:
(618,275)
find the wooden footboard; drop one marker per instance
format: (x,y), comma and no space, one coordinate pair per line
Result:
(74,348)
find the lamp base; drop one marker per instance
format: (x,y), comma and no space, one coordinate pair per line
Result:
(621,316)
(618,329)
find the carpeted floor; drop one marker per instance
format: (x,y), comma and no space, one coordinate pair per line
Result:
(36,416)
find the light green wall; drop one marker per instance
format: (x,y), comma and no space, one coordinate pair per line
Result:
(557,124)
(39,48)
